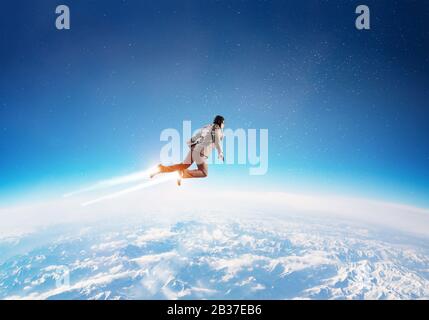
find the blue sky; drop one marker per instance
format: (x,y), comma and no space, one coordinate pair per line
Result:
(346,109)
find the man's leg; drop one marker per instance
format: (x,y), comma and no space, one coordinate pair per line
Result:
(180,166)
(201,172)
(203,168)
(175,167)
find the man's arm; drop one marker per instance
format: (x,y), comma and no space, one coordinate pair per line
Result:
(218,143)
(194,138)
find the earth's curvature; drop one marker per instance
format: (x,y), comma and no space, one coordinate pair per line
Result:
(216,256)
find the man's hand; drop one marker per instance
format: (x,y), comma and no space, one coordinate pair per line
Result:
(221,157)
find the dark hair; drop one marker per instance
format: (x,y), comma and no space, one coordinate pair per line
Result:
(218,120)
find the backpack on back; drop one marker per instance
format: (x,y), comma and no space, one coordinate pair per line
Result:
(203,134)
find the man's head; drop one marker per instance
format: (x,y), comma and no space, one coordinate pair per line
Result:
(219,120)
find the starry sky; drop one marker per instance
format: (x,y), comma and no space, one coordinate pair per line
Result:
(346,110)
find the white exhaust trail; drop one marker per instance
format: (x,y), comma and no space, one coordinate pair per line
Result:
(141,175)
(131,189)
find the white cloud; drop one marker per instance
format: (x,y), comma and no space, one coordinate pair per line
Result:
(234,265)
(293,263)
(155,258)
(97,280)
(154,234)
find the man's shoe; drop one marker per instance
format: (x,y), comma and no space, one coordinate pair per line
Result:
(158,171)
(179,179)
